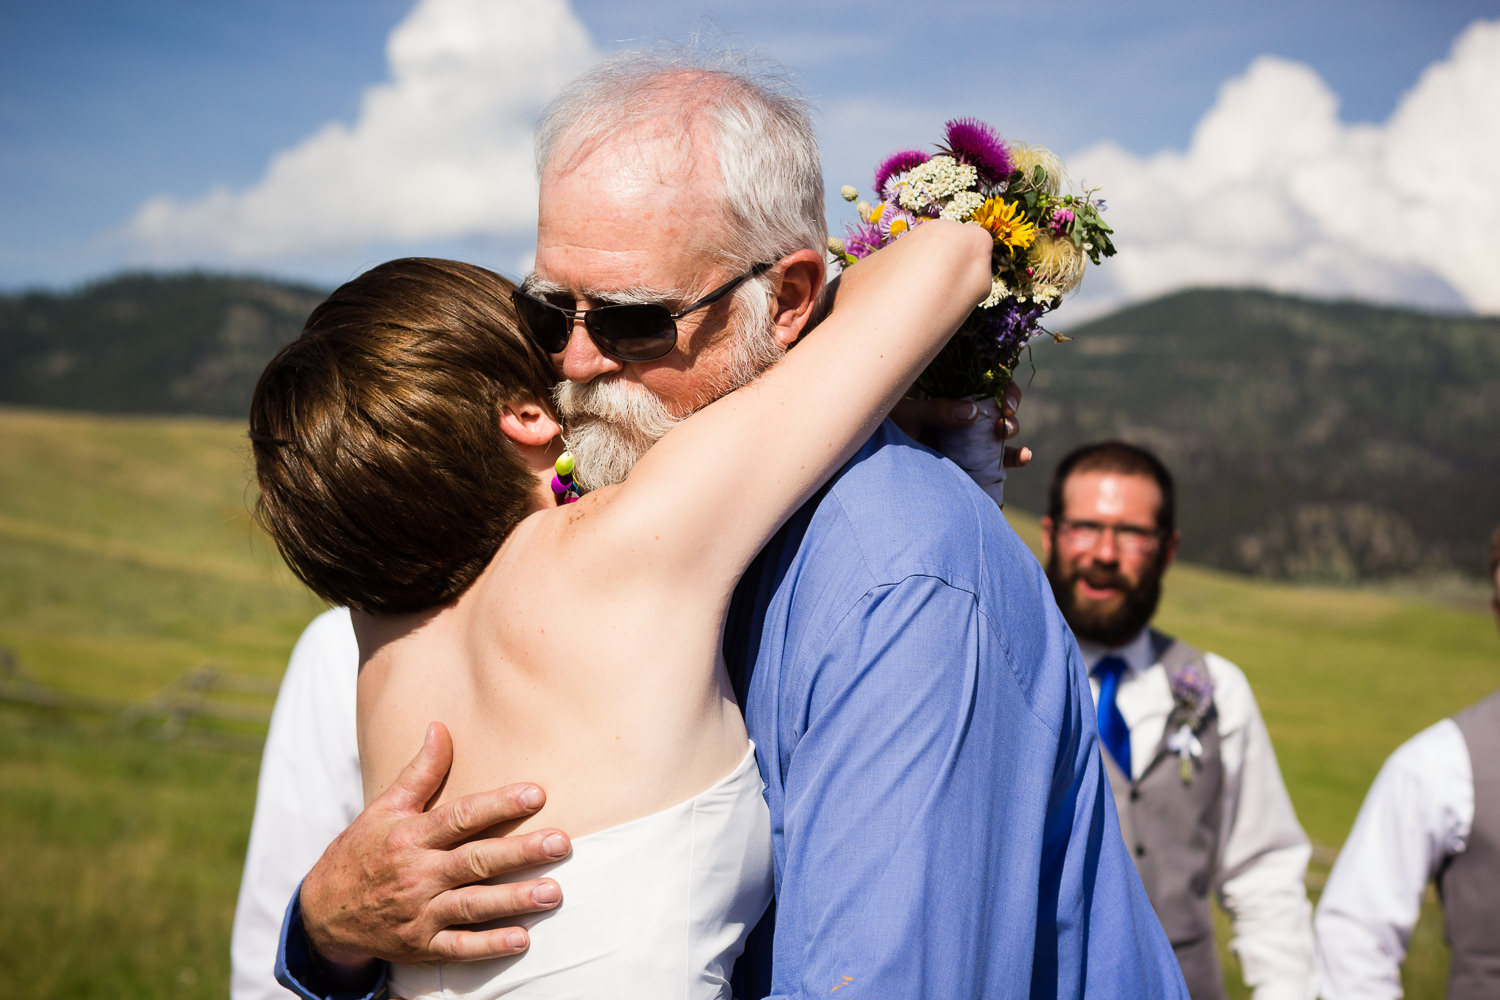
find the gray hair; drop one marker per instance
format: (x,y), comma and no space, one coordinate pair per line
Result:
(770,205)
(771,178)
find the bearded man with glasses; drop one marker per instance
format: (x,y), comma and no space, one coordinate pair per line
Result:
(1200,798)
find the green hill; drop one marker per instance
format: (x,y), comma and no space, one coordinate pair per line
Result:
(144,343)
(127,554)
(1311,440)
(127,560)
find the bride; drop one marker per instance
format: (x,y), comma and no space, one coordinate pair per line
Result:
(406,454)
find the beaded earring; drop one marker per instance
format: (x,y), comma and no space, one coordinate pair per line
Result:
(563,486)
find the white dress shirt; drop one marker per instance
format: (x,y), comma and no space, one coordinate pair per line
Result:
(1263,852)
(1418,813)
(310,789)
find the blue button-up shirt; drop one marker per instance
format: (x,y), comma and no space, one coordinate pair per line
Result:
(940,816)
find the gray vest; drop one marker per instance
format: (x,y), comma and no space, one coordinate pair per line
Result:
(1470,881)
(1171,828)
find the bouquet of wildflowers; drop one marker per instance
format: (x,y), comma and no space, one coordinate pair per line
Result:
(1042,240)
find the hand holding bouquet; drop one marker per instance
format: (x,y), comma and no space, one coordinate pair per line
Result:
(1042,240)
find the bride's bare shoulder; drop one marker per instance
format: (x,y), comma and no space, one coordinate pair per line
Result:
(592,532)
(615,542)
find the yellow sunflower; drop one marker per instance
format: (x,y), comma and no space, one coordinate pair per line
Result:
(1006,223)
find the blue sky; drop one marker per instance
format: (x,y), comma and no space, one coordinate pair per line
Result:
(1272,143)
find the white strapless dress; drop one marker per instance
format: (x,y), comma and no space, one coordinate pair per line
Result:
(655,908)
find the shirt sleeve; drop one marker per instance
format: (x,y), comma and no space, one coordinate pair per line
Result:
(309,790)
(1418,812)
(938,839)
(298,968)
(1264,851)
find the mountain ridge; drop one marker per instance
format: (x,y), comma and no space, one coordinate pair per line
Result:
(1313,440)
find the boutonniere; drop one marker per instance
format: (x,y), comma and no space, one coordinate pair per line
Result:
(1188,748)
(1192,697)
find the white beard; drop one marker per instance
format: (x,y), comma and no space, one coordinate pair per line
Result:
(611,421)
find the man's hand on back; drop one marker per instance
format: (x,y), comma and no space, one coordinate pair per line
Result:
(399,883)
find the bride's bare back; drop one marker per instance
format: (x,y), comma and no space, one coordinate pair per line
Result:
(605,695)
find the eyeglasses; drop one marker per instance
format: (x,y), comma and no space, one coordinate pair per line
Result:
(1130,538)
(633,331)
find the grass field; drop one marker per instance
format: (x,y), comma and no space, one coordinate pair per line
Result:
(127,560)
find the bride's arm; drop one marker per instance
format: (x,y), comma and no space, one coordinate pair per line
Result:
(704,500)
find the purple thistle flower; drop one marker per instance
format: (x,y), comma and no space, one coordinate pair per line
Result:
(898,162)
(861,240)
(973,142)
(1193,689)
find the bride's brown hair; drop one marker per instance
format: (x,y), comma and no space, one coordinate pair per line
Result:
(384,477)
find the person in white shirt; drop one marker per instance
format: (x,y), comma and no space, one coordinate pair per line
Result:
(1432,815)
(309,790)
(1201,800)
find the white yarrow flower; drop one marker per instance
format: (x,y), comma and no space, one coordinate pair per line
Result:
(963,206)
(939,178)
(998,292)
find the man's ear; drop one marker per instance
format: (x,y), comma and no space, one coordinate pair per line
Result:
(802,275)
(528,424)
(1046,538)
(1169,549)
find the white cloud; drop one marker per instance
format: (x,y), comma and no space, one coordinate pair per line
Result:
(441,151)
(1275,191)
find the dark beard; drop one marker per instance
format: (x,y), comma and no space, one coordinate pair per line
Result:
(1112,624)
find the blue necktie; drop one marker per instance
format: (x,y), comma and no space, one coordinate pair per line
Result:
(1112,729)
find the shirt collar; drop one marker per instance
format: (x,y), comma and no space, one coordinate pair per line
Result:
(1136,653)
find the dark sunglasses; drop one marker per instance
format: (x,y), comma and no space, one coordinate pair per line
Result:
(642,331)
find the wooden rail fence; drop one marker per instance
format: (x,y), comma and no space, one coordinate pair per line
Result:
(208,701)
